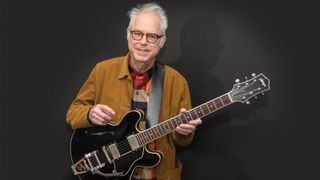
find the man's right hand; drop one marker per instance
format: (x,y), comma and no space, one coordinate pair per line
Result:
(101,114)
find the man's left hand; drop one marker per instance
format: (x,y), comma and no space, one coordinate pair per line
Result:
(188,128)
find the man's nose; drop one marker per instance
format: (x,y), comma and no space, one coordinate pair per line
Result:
(144,40)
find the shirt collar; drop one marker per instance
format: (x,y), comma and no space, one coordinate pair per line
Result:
(124,71)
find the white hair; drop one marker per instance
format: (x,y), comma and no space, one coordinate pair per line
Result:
(149,7)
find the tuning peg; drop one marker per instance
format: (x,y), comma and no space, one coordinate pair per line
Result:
(253,74)
(237,81)
(262,94)
(255,97)
(247,102)
(246,77)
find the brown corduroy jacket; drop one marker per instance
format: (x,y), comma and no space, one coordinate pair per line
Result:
(110,83)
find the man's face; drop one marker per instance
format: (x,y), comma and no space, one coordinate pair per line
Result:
(142,51)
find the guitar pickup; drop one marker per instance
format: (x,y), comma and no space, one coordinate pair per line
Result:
(134,144)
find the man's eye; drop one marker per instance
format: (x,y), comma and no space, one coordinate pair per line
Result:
(137,33)
(153,36)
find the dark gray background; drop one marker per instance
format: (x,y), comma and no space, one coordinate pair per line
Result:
(48,49)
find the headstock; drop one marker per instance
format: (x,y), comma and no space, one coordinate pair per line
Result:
(243,91)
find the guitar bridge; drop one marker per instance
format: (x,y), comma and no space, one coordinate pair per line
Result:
(94,161)
(90,162)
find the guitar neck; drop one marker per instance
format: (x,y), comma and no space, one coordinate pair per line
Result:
(170,125)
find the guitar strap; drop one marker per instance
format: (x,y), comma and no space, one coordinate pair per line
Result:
(155,98)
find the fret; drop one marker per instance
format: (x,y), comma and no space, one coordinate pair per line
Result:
(171,125)
(205,109)
(212,106)
(163,128)
(226,99)
(187,115)
(181,119)
(166,127)
(146,136)
(193,114)
(156,132)
(199,112)
(202,111)
(174,121)
(208,108)
(159,130)
(218,103)
(144,139)
(151,135)
(138,139)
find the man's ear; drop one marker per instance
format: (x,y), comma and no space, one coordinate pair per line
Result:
(162,41)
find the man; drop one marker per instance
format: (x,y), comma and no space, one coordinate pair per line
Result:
(121,84)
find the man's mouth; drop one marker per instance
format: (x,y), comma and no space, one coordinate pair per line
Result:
(142,51)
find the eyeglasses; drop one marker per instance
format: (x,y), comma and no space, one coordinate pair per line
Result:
(151,37)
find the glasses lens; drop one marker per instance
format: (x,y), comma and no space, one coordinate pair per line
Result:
(152,38)
(137,35)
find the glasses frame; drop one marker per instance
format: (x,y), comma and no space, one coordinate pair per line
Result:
(145,34)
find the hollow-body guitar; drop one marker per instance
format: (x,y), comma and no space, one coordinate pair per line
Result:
(115,151)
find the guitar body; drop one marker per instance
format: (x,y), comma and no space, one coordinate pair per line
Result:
(90,139)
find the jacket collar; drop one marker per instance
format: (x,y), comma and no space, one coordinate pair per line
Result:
(124,70)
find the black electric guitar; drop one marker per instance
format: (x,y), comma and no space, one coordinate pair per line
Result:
(115,151)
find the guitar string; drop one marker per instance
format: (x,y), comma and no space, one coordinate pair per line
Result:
(124,145)
(97,161)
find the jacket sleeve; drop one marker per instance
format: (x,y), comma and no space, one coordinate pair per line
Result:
(184,102)
(77,114)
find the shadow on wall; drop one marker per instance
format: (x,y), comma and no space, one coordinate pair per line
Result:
(201,45)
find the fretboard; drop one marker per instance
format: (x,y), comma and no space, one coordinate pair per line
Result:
(170,125)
